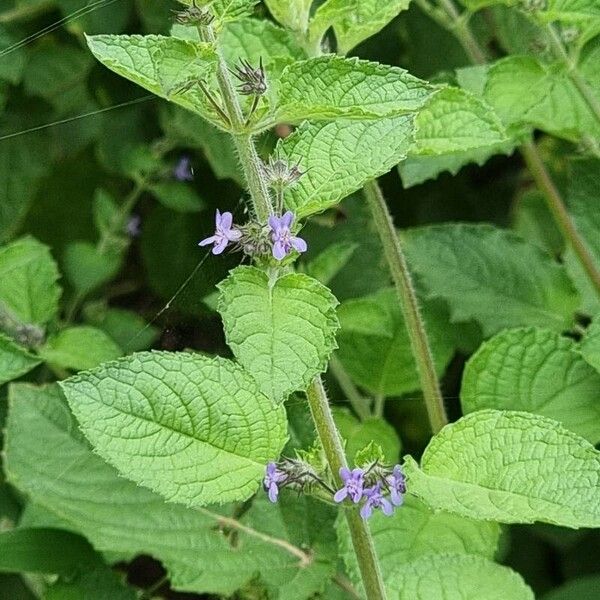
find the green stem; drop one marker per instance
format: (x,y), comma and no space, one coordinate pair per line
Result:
(244,144)
(538,171)
(559,212)
(410,306)
(334,452)
(317,398)
(356,399)
(460,27)
(378,405)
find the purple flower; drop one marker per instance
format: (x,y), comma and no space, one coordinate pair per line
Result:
(353,485)
(397,485)
(183,170)
(283,240)
(374,499)
(272,478)
(223,233)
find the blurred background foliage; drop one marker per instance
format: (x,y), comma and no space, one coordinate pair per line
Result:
(79,145)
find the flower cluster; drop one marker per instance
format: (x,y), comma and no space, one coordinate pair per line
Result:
(278,234)
(376,486)
(371,485)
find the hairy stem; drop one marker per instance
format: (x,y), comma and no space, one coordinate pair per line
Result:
(244,144)
(304,557)
(530,152)
(559,212)
(356,399)
(410,306)
(334,452)
(317,398)
(462,31)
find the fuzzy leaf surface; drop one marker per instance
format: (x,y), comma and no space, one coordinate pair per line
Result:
(590,345)
(340,157)
(14,359)
(161,65)
(538,371)
(118,516)
(282,330)
(331,86)
(498,279)
(194,429)
(510,467)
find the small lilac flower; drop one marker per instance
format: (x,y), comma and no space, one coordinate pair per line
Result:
(283,240)
(272,478)
(353,485)
(397,485)
(133,226)
(183,170)
(224,233)
(374,499)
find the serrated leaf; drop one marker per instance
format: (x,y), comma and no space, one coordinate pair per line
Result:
(523,91)
(160,64)
(339,158)
(538,371)
(453,129)
(281,329)
(457,577)
(330,86)
(118,516)
(415,531)
(510,467)
(293,14)
(226,10)
(14,360)
(79,347)
(171,422)
(375,348)
(498,279)
(590,344)
(29,291)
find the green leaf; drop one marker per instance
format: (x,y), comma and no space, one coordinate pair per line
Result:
(281,329)
(226,10)
(35,551)
(582,202)
(331,261)
(357,435)
(497,279)
(98,583)
(292,14)
(510,467)
(171,422)
(538,371)
(118,516)
(584,588)
(375,347)
(29,293)
(177,196)
(590,344)
(87,268)
(11,70)
(162,65)
(339,158)
(354,22)
(415,531)
(79,347)
(328,87)
(523,91)
(453,129)
(457,577)
(14,360)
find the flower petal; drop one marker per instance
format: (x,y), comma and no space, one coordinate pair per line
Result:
(386,507)
(345,473)
(279,251)
(340,495)
(274,222)
(366,511)
(226,221)
(273,492)
(396,497)
(287,219)
(206,241)
(299,244)
(220,245)
(218,218)
(233,235)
